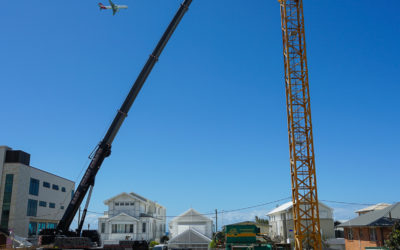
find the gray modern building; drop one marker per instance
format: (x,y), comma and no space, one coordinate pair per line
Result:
(31,199)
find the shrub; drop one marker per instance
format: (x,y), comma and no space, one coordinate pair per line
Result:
(152,244)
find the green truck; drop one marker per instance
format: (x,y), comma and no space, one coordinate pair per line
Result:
(244,237)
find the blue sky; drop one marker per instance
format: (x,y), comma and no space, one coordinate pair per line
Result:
(209,128)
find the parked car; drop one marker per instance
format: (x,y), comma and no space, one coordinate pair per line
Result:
(160,247)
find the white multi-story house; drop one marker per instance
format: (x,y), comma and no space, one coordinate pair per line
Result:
(31,199)
(131,216)
(190,230)
(282,226)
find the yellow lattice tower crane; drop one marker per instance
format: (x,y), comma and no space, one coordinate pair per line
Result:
(302,162)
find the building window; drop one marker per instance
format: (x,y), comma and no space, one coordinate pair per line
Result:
(63,189)
(144,228)
(34,187)
(132,203)
(32,228)
(51,225)
(116,203)
(52,205)
(32,208)
(126,203)
(119,228)
(55,187)
(5,213)
(41,225)
(72,194)
(121,203)
(42,204)
(372,234)
(46,184)
(361,233)
(350,234)
(103,228)
(61,207)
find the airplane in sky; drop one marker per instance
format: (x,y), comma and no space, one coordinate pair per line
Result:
(112,6)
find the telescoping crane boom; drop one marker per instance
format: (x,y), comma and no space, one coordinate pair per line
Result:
(104,148)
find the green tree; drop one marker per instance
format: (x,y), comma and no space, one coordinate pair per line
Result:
(261,221)
(393,242)
(219,239)
(212,245)
(152,244)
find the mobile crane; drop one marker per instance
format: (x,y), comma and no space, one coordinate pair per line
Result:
(103,149)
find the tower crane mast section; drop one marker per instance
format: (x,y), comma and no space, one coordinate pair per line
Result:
(301,146)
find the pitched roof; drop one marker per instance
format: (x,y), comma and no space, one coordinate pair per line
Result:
(288,205)
(118,195)
(378,206)
(191,215)
(138,196)
(131,195)
(190,236)
(383,217)
(281,208)
(123,216)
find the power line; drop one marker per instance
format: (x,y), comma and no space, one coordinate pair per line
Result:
(223,211)
(349,203)
(259,205)
(254,206)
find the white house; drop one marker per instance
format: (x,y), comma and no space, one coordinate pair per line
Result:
(131,216)
(190,230)
(281,222)
(31,199)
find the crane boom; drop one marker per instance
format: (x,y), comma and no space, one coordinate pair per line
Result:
(104,148)
(301,145)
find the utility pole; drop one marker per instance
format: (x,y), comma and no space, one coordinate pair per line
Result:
(216,220)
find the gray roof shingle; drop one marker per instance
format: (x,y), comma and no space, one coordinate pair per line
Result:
(384,217)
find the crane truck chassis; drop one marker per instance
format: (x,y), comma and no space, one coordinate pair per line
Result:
(61,237)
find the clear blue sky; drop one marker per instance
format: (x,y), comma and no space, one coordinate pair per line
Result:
(209,128)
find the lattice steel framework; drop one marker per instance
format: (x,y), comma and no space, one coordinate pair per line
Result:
(302,162)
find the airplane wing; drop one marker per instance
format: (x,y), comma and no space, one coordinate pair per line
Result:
(112,4)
